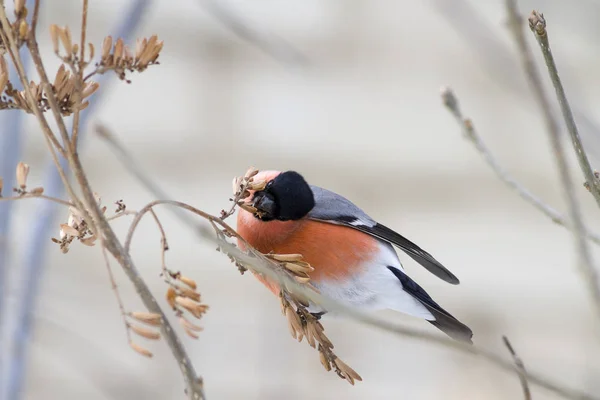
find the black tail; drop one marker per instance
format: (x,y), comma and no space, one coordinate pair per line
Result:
(444,321)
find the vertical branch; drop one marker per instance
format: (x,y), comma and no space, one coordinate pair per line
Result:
(537,23)
(588,270)
(78,82)
(42,223)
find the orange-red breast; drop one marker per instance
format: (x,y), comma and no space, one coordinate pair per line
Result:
(352,254)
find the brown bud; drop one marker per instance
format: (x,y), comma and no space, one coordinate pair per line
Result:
(143,351)
(75,49)
(23,29)
(37,191)
(22,172)
(147,318)
(1,185)
(145,332)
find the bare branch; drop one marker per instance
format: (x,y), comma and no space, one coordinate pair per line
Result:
(452,103)
(38,196)
(522,372)
(268,43)
(537,24)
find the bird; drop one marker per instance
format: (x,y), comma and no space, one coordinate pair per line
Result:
(352,255)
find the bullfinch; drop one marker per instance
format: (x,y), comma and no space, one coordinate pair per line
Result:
(352,255)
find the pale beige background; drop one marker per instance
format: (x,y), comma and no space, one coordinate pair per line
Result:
(364,118)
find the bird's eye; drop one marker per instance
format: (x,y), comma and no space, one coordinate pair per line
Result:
(269,184)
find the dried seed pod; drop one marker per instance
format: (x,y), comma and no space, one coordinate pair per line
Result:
(349,374)
(3,81)
(69,230)
(260,185)
(37,191)
(147,317)
(301,279)
(191,333)
(89,89)
(251,172)
(143,351)
(118,52)
(89,241)
(22,172)
(1,185)
(75,49)
(235,185)
(65,37)
(54,35)
(91,50)
(247,207)
(187,292)
(324,361)
(171,295)
(193,307)
(294,320)
(145,332)
(106,47)
(140,45)
(188,281)
(189,325)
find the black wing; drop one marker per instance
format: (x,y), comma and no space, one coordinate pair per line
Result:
(332,208)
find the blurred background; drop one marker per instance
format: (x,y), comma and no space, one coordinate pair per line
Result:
(347,93)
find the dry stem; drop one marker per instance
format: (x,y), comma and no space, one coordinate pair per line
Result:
(519,363)
(538,26)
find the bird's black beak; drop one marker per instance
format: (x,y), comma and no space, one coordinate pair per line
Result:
(265,204)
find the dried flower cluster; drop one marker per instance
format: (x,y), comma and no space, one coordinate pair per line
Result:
(182,296)
(303,324)
(117,57)
(21,175)
(143,324)
(76,228)
(242,186)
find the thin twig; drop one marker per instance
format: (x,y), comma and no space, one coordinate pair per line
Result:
(268,43)
(537,24)
(522,372)
(39,196)
(261,265)
(452,103)
(34,18)
(115,289)
(79,72)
